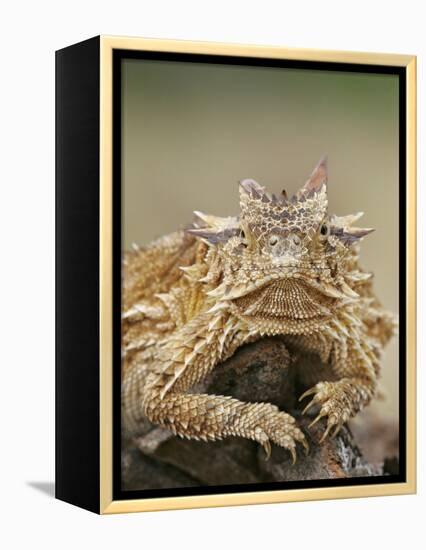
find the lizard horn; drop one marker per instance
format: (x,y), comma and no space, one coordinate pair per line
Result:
(316,180)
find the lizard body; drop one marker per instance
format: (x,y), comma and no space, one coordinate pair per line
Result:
(283,267)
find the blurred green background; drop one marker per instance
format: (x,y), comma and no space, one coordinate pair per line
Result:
(192,131)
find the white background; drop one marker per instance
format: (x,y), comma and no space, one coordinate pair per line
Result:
(30,32)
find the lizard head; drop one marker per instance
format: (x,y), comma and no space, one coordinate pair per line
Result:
(284,259)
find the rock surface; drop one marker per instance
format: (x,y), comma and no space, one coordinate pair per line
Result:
(261,371)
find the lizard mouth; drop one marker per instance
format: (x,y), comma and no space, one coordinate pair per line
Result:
(291,298)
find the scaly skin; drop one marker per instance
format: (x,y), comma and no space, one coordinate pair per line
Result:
(282,267)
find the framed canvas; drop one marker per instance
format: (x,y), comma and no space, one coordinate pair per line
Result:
(228,332)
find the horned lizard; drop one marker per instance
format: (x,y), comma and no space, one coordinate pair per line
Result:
(286,267)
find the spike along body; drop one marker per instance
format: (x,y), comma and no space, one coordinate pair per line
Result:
(283,267)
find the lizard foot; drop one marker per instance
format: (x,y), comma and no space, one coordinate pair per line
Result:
(336,403)
(281,429)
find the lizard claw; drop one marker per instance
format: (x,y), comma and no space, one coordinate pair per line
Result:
(330,424)
(337,401)
(309,405)
(306,446)
(320,415)
(311,391)
(336,430)
(267,446)
(280,429)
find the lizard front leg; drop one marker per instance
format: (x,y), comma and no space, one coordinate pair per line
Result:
(185,360)
(212,417)
(356,363)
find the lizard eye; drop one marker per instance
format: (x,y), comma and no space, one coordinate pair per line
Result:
(273,240)
(324,231)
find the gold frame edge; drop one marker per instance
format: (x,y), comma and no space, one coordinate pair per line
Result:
(105,276)
(107,504)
